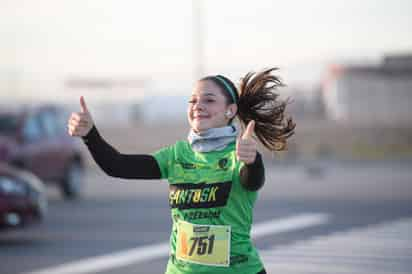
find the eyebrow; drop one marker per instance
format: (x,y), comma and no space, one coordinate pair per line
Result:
(206,94)
(209,94)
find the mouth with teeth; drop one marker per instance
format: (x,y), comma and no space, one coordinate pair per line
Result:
(200,117)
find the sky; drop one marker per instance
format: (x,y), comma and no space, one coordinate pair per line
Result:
(45,42)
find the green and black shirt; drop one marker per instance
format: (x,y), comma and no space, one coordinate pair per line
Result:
(206,190)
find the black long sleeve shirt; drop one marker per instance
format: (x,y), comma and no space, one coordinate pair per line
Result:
(116,164)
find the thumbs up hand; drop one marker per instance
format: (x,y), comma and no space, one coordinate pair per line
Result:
(246,147)
(80,123)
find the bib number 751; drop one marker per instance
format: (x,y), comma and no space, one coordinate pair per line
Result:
(204,244)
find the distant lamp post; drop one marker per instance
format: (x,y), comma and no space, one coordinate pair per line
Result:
(198,39)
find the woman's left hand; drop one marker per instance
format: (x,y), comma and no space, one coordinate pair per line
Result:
(246,147)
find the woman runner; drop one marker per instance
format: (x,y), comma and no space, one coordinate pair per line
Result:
(213,176)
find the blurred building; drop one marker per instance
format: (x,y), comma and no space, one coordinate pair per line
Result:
(306,104)
(370,94)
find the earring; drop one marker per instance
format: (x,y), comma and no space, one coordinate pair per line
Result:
(228,113)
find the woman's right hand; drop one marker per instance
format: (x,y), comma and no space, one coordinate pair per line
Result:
(80,123)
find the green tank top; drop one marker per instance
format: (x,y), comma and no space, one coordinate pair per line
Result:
(212,213)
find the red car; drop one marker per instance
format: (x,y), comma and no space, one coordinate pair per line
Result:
(22,197)
(35,139)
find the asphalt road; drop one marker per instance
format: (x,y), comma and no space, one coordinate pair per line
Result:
(117,215)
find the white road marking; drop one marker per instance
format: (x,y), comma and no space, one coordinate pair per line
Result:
(381,248)
(154,251)
(288,224)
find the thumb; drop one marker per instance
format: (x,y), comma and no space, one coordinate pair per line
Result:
(83,106)
(249,131)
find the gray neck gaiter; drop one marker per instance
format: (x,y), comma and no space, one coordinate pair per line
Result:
(213,139)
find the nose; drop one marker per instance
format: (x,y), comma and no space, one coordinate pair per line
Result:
(198,106)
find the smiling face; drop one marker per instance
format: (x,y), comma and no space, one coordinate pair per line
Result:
(208,107)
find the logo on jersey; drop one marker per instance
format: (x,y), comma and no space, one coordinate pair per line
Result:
(202,195)
(187,165)
(223,163)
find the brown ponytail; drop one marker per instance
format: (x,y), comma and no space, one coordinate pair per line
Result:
(256,100)
(259,102)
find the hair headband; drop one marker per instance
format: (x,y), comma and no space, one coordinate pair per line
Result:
(227,87)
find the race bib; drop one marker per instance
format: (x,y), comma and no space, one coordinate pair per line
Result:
(203,244)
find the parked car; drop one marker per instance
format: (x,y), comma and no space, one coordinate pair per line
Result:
(36,139)
(23,198)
